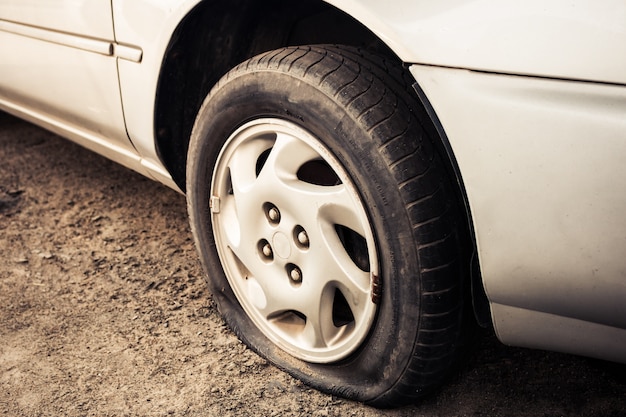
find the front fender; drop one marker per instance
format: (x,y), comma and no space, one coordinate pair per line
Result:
(570,39)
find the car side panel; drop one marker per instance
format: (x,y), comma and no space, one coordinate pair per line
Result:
(82,17)
(59,69)
(150,25)
(543,166)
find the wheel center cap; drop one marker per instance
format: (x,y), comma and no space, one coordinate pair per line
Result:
(281,245)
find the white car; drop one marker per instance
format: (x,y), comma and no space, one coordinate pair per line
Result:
(366,180)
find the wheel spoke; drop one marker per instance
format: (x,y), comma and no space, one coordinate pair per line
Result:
(287,156)
(336,206)
(320,330)
(313,304)
(341,272)
(238,233)
(239,211)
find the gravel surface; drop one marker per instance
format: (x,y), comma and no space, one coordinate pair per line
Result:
(104,312)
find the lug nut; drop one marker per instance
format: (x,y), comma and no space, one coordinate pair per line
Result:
(267,250)
(274,215)
(303,238)
(295,274)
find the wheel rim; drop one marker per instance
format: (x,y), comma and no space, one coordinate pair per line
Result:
(294,240)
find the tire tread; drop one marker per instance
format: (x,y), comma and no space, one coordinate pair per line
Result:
(377,92)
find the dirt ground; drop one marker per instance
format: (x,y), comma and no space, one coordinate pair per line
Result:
(104,312)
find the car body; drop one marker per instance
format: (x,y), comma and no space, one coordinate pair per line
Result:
(528,98)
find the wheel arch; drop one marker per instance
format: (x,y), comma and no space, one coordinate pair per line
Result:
(214,37)
(217,35)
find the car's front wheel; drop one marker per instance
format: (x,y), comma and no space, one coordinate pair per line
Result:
(328,224)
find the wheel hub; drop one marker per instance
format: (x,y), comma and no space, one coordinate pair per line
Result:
(281,245)
(291,263)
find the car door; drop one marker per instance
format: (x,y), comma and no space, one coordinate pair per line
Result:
(59,69)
